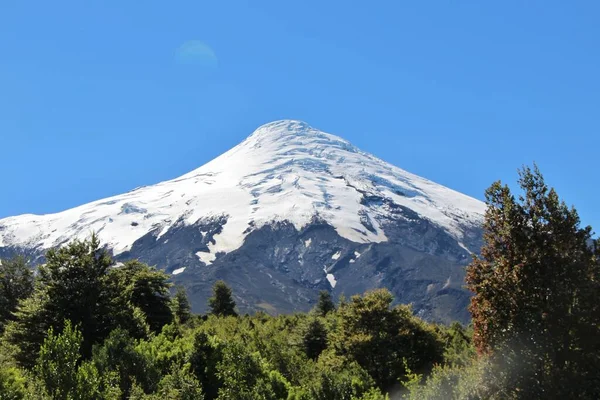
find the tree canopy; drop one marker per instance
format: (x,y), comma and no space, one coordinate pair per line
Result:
(77,284)
(87,329)
(536,286)
(222,303)
(16,284)
(325,303)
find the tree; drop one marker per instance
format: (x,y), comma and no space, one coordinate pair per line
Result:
(459,350)
(222,303)
(383,340)
(27,333)
(74,279)
(315,339)
(12,384)
(16,284)
(333,378)
(57,362)
(71,286)
(325,303)
(180,385)
(78,284)
(118,355)
(535,307)
(181,305)
(203,362)
(62,374)
(244,376)
(137,285)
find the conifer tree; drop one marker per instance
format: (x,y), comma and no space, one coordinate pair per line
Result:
(325,303)
(534,288)
(181,305)
(222,303)
(315,339)
(16,284)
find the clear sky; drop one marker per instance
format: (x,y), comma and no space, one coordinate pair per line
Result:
(99,97)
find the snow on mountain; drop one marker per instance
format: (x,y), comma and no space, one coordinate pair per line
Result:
(285,171)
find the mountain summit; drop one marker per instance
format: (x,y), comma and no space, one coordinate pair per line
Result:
(288,179)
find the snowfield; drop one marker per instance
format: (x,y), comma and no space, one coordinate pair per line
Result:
(285,171)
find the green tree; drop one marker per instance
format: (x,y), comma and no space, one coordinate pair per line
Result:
(333,378)
(71,286)
(314,340)
(181,305)
(383,340)
(244,376)
(204,359)
(222,303)
(12,383)
(57,362)
(74,281)
(469,382)
(536,285)
(118,355)
(325,303)
(138,285)
(89,383)
(63,375)
(78,284)
(180,385)
(25,335)
(459,350)
(16,284)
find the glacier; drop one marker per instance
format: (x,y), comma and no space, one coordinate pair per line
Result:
(284,171)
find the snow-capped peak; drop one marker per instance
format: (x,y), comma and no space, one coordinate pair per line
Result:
(284,171)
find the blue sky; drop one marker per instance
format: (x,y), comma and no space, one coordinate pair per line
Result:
(99,97)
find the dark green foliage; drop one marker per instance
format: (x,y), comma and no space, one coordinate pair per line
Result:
(145,288)
(384,340)
(61,374)
(16,284)
(222,357)
(535,309)
(77,284)
(324,304)
(71,287)
(204,359)
(114,333)
(118,354)
(315,339)
(458,345)
(74,278)
(26,334)
(164,351)
(57,363)
(222,303)
(181,305)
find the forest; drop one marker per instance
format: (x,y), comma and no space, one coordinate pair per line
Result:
(80,328)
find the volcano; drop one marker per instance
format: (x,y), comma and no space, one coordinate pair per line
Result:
(289,211)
